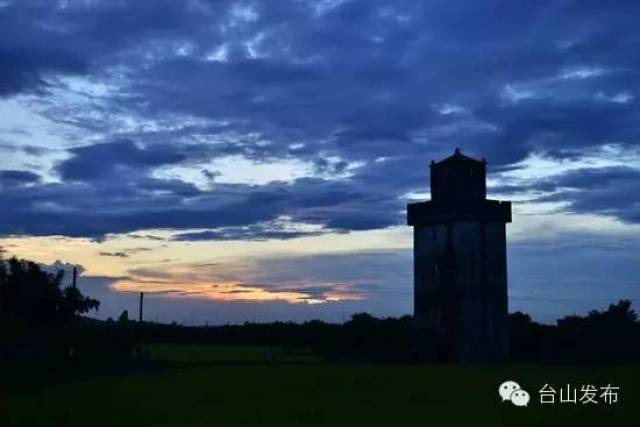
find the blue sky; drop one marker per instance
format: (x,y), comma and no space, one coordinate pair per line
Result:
(253,160)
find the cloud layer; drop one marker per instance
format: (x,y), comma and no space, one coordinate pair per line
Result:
(363,92)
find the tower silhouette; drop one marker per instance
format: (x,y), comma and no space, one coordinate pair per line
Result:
(460,265)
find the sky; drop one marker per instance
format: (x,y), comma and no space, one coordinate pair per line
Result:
(252,160)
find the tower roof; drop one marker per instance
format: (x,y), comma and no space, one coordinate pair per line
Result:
(458,157)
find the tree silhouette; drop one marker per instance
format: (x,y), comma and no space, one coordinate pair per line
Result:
(608,335)
(32,295)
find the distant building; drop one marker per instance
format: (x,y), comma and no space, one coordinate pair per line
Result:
(460,265)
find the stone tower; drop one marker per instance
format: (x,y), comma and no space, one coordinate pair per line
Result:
(460,265)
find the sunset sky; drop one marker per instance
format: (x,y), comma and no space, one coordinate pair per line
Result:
(252,160)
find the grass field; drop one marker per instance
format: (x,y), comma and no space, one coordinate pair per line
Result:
(198,354)
(290,394)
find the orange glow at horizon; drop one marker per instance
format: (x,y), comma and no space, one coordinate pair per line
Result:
(177,269)
(229,292)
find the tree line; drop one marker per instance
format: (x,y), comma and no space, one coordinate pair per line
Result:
(41,320)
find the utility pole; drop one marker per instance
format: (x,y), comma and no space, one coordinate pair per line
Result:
(140,312)
(75,277)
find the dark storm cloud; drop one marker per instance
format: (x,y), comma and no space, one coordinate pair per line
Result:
(253,232)
(385,89)
(122,157)
(608,191)
(15,177)
(28,51)
(595,178)
(365,92)
(611,191)
(42,39)
(129,203)
(552,124)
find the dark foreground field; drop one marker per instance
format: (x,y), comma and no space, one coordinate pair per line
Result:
(265,387)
